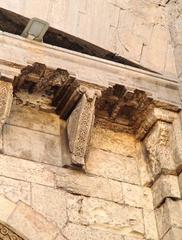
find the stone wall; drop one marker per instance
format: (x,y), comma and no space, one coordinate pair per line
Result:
(135,29)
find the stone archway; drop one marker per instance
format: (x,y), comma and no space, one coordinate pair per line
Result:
(7,233)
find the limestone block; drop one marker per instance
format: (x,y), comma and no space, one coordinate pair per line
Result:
(28,117)
(158,144)
(25,170)
(15,190)
(173,233)
(60,237)
(25,220)
(79,232)
(168,215)
(32,145)
(144,169)
(79,183)
(51,203)
(116,142)
(165,186)
(100,213)
(6,208)
(150,224)
(137,196)
(111,165)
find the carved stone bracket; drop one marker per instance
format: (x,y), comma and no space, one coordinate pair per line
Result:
(6,96)
(6,233)
(79,126)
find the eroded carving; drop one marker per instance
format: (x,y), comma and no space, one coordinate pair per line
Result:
(8,234)
(79,126)
(6,96)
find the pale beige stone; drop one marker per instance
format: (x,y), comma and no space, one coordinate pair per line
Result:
(28,117)
(116,142)
(78,232)
(173,233)
(137,196)
(169,215)
(32,145)
(165,186)
(25,220)
(150,224)
(79,183)
(114,166)
(108,215)
(15,190)
(25,170)
(51,203)
(6,208)
(60,237)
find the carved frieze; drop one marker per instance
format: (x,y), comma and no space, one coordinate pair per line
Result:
(8,234)
(79,126)
(6,96)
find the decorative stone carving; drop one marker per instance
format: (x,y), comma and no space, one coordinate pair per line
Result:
(8,234)
(79,126)
(159,144)
(6,96)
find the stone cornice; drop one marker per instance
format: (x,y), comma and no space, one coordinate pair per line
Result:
(85,68)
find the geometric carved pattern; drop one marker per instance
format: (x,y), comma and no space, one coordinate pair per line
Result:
(7,234)
(79,127)
(6,96)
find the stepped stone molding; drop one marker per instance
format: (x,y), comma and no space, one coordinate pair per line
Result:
(6,97)
(7,233)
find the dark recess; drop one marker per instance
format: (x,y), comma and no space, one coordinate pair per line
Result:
(15,24)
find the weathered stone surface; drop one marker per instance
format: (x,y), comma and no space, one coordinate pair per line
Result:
(106,215)
(165,186)
(79,127)
(150,224)
(77,232)
(32,145)
(6,208)
(79,183)
(159,147)
(27,221)
(60,237)
(137,196)
(168,215)
(15,190)
(28,117)
(116,142)
(111,165)
(51,203)
(25,170)
(6,97)
(173,233)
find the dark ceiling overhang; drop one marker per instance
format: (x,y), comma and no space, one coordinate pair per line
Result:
(15,24)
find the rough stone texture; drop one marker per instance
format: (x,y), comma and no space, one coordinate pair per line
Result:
(51,203)
(173,233)
(133,29)
(150,224)
(79,183)
(34,225)
(6,208)
(15,190)
(106,215)
(164,187)
(168,215)
(25,170)
(111,165)
(77,232)
(115,142)
(32,145)
(31,118)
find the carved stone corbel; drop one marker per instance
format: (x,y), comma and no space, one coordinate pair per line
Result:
(6,233)
(6,97)
(162,139)
(79,126)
